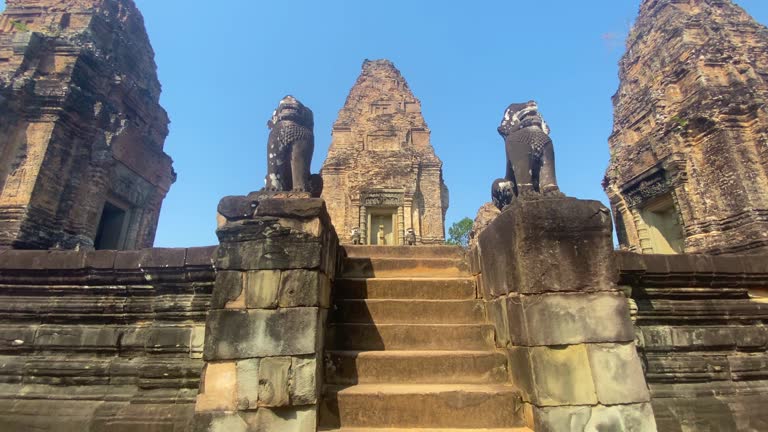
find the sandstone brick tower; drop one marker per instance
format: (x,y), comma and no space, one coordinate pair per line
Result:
(382,174)
(689,149)
(81,128)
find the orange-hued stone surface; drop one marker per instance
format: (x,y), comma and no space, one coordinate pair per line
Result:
(381,158)
(80,125)
(690,124)
(395,361)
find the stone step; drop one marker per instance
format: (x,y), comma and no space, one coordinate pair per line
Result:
(405,267)
(405,288)
(409,311)
(436,251)
(422,406)
(416,367)
(378,337)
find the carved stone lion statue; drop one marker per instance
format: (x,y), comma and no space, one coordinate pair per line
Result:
(356,240)
(410,237)
(289,149)
(530,156)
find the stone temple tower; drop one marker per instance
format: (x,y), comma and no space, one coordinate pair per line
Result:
(81,128)
(382,175)
(689,149)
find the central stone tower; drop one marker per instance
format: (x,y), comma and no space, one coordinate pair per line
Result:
(382,175)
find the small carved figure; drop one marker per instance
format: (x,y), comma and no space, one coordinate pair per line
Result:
(356,236)
(381,237)
(410,237)
(502,193)
(530,155)
(289,149)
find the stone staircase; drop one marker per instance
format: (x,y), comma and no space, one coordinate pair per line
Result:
(409,348)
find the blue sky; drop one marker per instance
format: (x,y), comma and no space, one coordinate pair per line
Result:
(224,66)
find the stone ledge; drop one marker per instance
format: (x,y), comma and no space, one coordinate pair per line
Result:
(95,337)
(155,258)
(669,338)
(95,415)
(276,204)
(691,270)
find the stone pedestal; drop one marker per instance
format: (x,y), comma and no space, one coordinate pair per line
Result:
(264,333)
(546,271)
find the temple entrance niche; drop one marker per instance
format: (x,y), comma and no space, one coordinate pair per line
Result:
(382,217)
(648,218)
(382,222)
(664,231)
(112,227)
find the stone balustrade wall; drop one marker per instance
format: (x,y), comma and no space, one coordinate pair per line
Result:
(545,269)
(102,341)
(700,325)
(265,332)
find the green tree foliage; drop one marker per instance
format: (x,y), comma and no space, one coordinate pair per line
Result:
(458,233)
(20,26)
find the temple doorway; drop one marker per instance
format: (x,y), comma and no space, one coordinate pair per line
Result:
(112,228)
(664,230)
(382,223)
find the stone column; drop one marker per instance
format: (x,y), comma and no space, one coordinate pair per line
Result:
(643,236)
(363,225)
(417,219)
(264,332)
(546,271)
(400,226)
(408,211)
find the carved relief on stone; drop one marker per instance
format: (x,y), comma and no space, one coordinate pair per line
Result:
(419,137)
(343,137)
(383,107)
(412,107)
(647,189)
(382,199)
(383,140)
(657,181)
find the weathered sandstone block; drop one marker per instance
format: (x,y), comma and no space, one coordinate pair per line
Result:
(561,319)
(241,334)
(626,418)
(555,244)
